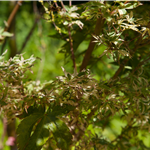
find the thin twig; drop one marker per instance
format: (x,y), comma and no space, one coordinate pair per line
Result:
(56,4)
(62,4)
(70,3)
(70,40)
(28,36)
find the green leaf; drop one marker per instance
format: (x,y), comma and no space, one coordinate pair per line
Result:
(25,128)
(31,110)
(62,135)
(40,135)
(34,131)
(122,12)
(1,30)
(7,34)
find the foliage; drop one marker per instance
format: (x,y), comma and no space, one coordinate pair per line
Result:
(4,34)
(74,110)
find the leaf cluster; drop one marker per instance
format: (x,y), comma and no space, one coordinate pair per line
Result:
(61,113)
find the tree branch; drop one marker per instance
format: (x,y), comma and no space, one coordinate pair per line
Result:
(120,69)
(9,21)
(12,15)
(140,64)
(126,60)
(98,29)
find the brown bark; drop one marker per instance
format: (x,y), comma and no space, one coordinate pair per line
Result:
(98,29)
(12,15)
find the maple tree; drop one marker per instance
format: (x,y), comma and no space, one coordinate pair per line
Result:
(73,111)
